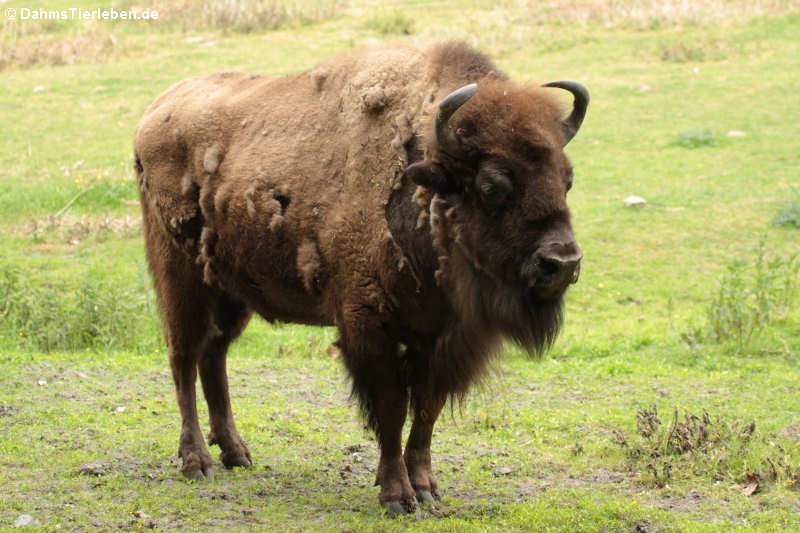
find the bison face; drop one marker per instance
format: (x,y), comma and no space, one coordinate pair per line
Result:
(518,225)
(500,178)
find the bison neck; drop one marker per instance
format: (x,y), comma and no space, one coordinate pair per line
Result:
(463,312)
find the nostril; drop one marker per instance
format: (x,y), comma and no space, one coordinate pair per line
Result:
(549,267)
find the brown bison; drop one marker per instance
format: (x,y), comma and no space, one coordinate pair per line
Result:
(415,198)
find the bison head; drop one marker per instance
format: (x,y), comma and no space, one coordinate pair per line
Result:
(498,215)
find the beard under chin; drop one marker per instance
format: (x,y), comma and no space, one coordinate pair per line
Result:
(531,323)
(514,312)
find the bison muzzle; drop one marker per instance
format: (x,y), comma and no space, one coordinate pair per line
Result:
(415,198)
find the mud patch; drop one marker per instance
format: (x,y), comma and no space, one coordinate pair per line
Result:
(356,468)
(92,469)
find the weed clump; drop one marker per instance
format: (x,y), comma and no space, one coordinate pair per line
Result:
(697,139)
(789,215)
(706,446)
(753,294)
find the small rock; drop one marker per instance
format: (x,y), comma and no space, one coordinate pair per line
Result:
(735,133)
(42,382)
(38,89)
(120,409)
(26,520)
(634,201)
(664,393)
(503,471)
(141,514)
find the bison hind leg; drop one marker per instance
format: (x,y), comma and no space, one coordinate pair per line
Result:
(230,318)
(187,328)
(199,324)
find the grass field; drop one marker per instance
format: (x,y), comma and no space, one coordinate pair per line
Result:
(689,304)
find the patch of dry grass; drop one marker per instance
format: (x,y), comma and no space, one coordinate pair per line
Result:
(33,42)
(245,16)
(75,229)
(651,13)
(25,52)
(508,22)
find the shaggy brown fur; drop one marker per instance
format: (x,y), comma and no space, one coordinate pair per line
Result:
(323,198)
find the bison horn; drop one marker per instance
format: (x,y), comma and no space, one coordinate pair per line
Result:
(573,122)
(445,136)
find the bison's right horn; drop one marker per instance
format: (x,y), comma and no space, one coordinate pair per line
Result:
(572,123)
(445,136)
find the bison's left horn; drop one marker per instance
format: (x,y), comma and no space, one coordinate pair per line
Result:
(445,136)
(572,123)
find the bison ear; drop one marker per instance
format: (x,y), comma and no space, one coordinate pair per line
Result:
(430,175)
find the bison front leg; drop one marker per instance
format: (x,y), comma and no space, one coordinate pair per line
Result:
(379,386)
(397,495)
(427,406)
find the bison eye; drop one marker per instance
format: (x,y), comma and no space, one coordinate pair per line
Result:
(494,186)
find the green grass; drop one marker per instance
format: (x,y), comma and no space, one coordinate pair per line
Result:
(789,214)
(538,448)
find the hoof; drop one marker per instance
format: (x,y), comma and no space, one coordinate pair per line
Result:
(238,461)
(402,507)
(425,497)
(199,475)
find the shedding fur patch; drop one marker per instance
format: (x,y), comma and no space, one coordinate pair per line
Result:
(267,204)
(422,197)
(208,242)
(188,187)
(212,158)
(374,99)
(308,265)
(442,235)
(319,76)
